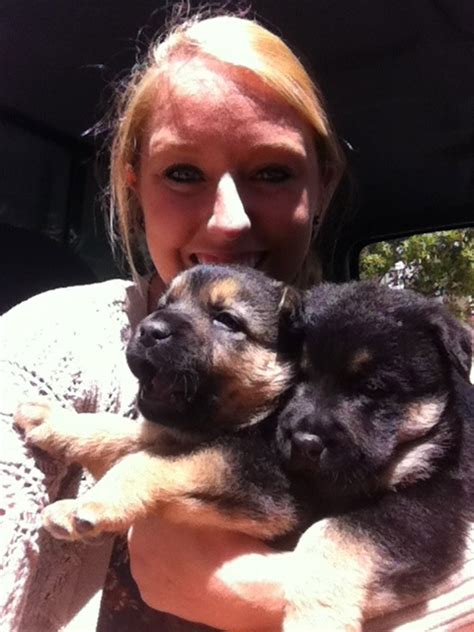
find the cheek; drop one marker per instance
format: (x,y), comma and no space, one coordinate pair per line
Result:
(168,228)
(286,230)
(285,217)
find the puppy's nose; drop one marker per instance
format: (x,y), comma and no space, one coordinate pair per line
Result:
(153,331)
(309,445)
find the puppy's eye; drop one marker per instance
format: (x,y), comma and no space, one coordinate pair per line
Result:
(228,321)
(375,386)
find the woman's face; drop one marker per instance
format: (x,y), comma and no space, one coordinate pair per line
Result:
(226,174)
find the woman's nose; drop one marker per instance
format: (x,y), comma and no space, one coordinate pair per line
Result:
(229,218)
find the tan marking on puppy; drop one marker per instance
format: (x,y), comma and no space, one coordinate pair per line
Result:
(420,418)
(142,483)
(139,483)
(222,292)
(167,485)
(333,580)
(413,463)
(95,440)
(412,460)
(197,512)
(179,287)
(253,379)
(359,359)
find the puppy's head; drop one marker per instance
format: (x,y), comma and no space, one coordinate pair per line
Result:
(381,370)
(218,352)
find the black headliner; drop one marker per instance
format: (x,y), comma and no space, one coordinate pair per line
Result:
(398,77)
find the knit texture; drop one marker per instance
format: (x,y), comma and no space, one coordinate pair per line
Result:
(69,345)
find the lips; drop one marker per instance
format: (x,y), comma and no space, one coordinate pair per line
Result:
(169,389)
(249,259)
(157,388)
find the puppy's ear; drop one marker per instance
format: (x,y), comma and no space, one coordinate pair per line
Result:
(454,339)
(291,305)
(290,313)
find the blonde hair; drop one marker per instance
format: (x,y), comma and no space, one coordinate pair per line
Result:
(242,43)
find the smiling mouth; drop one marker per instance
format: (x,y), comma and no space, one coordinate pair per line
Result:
(250,259)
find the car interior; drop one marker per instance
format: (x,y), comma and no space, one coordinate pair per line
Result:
(398,78)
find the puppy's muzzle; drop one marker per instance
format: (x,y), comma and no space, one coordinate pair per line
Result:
(307,445)
(166,356)
(163,343)
(154,332)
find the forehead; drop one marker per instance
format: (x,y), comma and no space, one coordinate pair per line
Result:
(373,342)
(210,287)
(197,282)
(200,99)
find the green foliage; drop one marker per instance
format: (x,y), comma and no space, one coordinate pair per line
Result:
(435,264)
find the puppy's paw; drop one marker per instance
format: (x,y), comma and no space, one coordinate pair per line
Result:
(36,421)
(72,520)
(58,519)
(76,520)
(31,415)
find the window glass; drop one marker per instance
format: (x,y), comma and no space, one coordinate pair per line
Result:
(439,264)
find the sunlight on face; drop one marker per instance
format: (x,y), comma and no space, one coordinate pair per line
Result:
(227,173)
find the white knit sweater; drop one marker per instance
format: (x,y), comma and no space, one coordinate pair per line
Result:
(69,345)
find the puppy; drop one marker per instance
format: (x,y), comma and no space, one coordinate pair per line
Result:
(215,362)
(381,426)
(366,435)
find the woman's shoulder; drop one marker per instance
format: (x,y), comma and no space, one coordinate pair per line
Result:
(73,321)
(80,306)
(102,292)
(71,341)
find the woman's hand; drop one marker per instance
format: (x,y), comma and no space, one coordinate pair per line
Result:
(226,580)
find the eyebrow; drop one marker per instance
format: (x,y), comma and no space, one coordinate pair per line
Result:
(161,141)
(158,145)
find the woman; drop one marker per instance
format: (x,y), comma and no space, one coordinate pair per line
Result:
(222,153)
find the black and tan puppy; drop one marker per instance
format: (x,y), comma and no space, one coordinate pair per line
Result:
(382,424)
(215,361)
(368,435)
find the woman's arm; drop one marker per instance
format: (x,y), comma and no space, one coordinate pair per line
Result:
(225,580)
(232,582)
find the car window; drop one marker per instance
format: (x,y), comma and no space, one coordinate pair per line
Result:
(439,264)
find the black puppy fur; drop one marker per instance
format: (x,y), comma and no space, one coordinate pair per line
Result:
(381,426)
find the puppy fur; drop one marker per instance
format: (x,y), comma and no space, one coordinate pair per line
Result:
(380,429)
(348,409)
(215,362)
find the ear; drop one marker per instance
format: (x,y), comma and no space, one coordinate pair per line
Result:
(130,177)
(290,313)
(455,340)
(291,302)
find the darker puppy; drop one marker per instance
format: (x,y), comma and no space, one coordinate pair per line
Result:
(381,428)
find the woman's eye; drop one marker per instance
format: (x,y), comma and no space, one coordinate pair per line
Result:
(184,174)
(229,321)
(273,174)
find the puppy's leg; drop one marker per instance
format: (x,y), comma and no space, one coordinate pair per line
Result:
(334,580)
(95,440)
(136,485)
